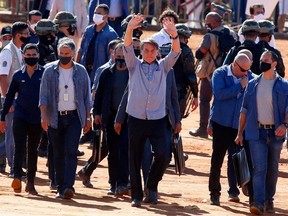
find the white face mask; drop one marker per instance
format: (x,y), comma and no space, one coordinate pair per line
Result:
(32,26)
(5,42)
(98,19)
(259,17)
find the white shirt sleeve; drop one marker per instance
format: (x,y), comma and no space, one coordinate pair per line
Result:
(5,62)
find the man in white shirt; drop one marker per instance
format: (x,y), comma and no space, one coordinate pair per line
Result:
(162,37)
(10,61)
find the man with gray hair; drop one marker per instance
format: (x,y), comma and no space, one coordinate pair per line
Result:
(65,103)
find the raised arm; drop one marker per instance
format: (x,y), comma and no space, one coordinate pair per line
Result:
(134,23)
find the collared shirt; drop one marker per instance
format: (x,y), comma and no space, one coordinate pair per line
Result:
(161,37)
(6,59)
(49,92)
(27,90)
(147,85)
(228,97)
(230,73)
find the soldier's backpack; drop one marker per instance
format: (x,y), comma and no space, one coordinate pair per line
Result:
(226,41)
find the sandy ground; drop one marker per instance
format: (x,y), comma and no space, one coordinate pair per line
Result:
(183,196)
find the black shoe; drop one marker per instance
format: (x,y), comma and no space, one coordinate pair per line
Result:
(233,198)
(80,153)
(53,186)
(136,203)
(121,190)
(68,193)
(214,200)
(199,133)
(85,179)
(152,197)
(269,207)
(111,191)
(86,137)
(256,209)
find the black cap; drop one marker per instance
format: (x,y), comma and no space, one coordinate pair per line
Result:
(6,30)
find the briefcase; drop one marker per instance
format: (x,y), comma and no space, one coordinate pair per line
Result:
(100,149)
(177,149)
(241,168)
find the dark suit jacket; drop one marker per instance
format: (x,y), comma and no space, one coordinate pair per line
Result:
(103,95)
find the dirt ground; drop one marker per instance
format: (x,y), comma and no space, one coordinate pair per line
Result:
(181,196)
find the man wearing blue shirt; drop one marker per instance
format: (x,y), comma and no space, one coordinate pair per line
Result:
(26,122)
(146,106)
(228,84)
(264,116)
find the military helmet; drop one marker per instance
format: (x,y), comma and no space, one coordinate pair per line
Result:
(250,25)
(45,26)
(64,18)
(124,23)
(266,27)
(183,30)
(6,30)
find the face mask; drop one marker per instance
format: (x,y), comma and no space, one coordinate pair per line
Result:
(31,61)
(65,60)
(137,33)
(71,30)
(46,39)
(259,17)
(32,26)
(264,66)
(5,42)
(137,52)
(25,40)
(120,63)
(98,19)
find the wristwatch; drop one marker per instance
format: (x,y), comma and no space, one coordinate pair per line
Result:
(174,38)
(88,118)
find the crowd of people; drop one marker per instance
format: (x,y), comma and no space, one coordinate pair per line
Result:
(135,90)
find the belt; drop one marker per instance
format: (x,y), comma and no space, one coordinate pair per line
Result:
(266,126)
(67,112)
(113,18)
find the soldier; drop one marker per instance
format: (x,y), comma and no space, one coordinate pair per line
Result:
(67,26)
(266,33)
(250,31)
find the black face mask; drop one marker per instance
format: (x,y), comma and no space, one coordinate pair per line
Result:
(65,60)
(25,40)
(31,61)
(71,30)
(137,33)
(137,52)
(264,66)
(120,63)
(46,39)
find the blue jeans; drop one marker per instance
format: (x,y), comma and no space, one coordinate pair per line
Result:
(9,139)
(65,141)
(265,155)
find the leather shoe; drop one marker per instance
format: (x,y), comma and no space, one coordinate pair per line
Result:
(85,179)
(121,190)
(152,197)
(111,191)
(199,133)
(214,200)
(80,153)
(136,203)
(30,188)
(16,185)
(68,193)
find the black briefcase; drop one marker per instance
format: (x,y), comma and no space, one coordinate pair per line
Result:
(241,168)
(177,149)
(100,149)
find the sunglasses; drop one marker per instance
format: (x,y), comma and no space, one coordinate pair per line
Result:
(242,69)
